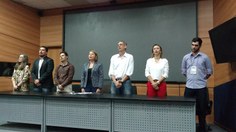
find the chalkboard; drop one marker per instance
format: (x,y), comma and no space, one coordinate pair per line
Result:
(171,25)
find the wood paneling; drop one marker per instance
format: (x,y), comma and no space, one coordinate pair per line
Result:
(141,88)
(51,30)
(19,27)
(19,22)
(173,90)
(19,33)
(205,17)
(223,11)
(54,54)
(5,84)
(205,23)
(11,48)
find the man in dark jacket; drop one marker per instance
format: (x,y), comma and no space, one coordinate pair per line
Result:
(42,72)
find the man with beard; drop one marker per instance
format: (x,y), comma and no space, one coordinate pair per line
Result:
(42,72)
(197,68)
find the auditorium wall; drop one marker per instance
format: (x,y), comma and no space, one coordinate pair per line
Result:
(53,37)
(19,33)
(22,30)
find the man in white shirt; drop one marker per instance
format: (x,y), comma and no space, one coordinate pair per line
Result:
(121,68)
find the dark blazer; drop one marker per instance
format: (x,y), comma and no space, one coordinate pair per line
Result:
(46,70)
(96,75)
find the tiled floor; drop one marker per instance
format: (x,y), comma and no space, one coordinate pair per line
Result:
(19,127)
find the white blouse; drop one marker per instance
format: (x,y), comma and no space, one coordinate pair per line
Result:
(121,65)
(157,69)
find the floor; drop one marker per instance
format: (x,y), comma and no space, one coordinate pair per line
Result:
(19,127)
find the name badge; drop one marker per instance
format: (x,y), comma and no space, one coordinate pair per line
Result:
(193,70)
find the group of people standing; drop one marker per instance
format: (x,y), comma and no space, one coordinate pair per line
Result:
(196,67)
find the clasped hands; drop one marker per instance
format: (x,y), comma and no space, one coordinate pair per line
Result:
(16,86)
(118,83)
(155,85)
(37,82)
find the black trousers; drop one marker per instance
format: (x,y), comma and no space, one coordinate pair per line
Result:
(201,96)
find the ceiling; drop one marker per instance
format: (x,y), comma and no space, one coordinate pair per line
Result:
(53,4)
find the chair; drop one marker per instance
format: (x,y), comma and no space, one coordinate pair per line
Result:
(76,88)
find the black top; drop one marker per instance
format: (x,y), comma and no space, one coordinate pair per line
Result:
(89,81)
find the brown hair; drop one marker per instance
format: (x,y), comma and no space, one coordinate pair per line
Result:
(160,50)
(96,55)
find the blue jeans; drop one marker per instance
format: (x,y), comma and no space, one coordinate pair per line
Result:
(125,89)
(42,90)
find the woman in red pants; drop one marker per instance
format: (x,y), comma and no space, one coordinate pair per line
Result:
(157,69)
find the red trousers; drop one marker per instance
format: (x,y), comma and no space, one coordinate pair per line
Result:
(161,92)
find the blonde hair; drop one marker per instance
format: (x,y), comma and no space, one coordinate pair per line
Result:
(21,65)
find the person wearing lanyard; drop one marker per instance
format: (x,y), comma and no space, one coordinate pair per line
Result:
(120,70)
(196,67)
(156,71)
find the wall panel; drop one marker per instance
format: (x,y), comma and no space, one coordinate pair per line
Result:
(19,33)
(224,11)
(54,54)
(51,30)
(205,17)
(5,84)
(205,23)
(12,47)
(19,22)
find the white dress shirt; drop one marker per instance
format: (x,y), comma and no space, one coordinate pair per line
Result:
(121,65)
(40,64)
(157,69)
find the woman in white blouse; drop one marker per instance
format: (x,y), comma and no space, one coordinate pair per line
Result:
(156,71)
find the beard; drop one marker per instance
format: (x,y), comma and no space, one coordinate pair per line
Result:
(41,55)
(195,50)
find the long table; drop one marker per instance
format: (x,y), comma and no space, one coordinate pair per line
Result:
(100,112)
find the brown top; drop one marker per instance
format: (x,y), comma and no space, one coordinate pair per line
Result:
(64,74)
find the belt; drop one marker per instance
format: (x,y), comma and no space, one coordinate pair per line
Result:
(155,80)
(118,79)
